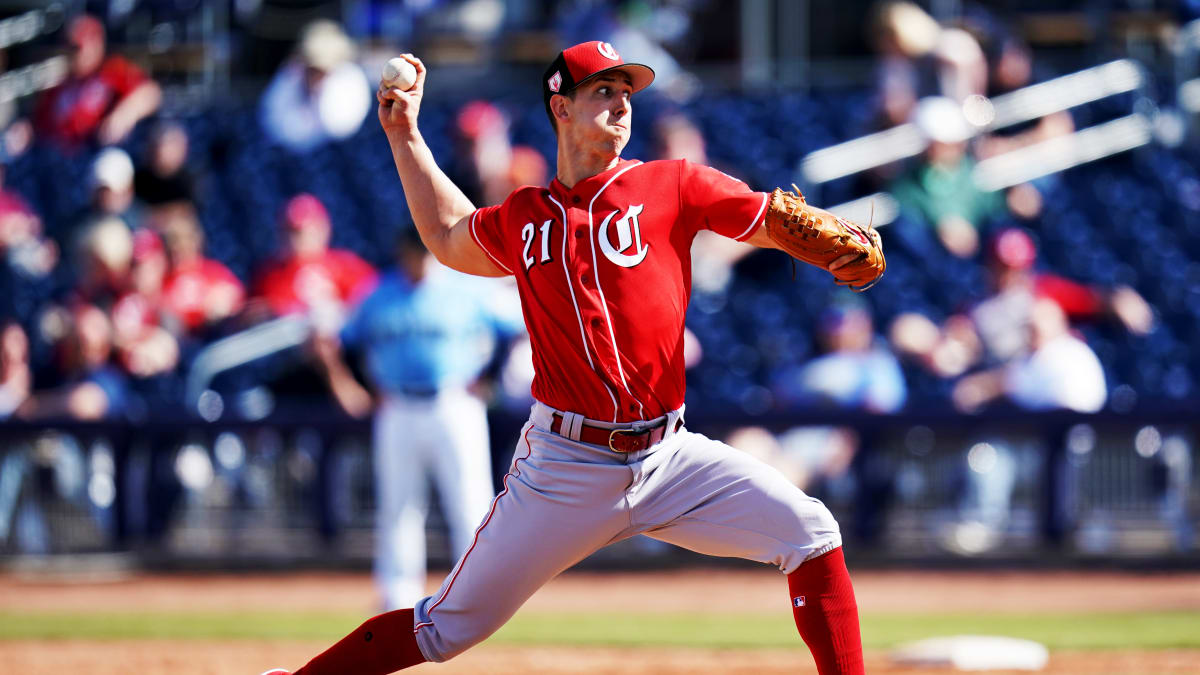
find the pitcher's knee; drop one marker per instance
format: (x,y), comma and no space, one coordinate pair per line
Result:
(449,636)
(817,533)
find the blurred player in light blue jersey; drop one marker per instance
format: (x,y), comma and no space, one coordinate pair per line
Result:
(426,334)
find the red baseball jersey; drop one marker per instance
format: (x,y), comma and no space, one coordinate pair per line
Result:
(604,273)
(292,285)
(188,289)
(72,110)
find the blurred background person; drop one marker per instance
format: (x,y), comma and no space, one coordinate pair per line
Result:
(164,175)
(103,97)
(921,58)
(426,335)
(857,370)
(198,291)
(16,376)
(939,193)
(144,345)
(1010,67)
(483,152)
(308,276)
(89,386)
(318,95)
(103,259)
(1060,372)
(112,193)
(996,329)
(26,251)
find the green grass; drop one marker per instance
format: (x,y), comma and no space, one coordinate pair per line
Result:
(1115,630)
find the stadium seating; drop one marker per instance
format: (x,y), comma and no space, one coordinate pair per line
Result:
(1131,219)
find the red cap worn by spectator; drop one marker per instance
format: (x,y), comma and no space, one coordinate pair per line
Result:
(305,210)
(145,244)
(85,29)
(478,118)
(1014,248)
(575,65)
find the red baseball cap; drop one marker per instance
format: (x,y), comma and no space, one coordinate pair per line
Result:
(145,244)
(84,29)
(304,210)
(575,65)
(1014,248)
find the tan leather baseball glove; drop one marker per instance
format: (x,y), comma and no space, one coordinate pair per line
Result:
(818,237)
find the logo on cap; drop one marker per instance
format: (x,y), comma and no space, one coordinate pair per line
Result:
(555,81)
(606,50)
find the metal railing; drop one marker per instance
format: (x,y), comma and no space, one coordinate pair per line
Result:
(299,491)
(903,141)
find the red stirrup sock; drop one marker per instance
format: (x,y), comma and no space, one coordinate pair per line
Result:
(383,644)
(827,615)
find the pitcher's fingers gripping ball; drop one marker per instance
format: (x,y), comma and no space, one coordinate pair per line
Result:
(398,73)
(401,88)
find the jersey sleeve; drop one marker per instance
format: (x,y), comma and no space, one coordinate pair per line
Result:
(713,200)
(122,75)
(487,229)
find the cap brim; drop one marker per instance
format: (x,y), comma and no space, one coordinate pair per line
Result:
(639,75)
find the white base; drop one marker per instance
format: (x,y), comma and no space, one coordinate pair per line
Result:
(973,652)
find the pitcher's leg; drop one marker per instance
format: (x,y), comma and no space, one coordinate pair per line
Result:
(708,497)
(552,512)
(720,501)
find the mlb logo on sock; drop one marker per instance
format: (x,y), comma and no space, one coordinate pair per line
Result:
(798,601)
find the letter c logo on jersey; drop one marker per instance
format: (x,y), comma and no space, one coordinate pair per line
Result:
(629,233)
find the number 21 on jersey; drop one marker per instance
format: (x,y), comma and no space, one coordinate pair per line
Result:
(528,234)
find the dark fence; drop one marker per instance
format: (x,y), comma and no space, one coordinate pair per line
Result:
(297,490)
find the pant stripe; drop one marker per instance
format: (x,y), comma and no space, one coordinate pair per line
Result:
(458,568)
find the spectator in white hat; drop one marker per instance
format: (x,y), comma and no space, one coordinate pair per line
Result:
(318,95)
(111,180)
(940,190)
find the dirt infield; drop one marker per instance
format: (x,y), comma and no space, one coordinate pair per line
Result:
(700,590)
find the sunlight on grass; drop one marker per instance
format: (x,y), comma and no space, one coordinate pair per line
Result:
(1144,630)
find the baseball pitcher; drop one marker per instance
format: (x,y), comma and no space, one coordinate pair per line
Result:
(601,260)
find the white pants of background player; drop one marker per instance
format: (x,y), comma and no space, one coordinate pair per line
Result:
(563,500)
(443,440)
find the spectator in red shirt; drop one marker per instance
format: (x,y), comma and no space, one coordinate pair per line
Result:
(199,291)
(103,97)
(144,347)
(310,276)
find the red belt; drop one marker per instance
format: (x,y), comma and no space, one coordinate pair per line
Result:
(618,440)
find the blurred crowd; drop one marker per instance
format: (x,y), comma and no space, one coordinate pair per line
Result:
(133,296)
(130,295)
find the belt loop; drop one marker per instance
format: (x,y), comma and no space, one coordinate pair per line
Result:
(674,422)
(572,425)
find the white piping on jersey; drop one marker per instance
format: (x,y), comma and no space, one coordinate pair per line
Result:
(754,222)
(579,316)
(479,243)
(604,303)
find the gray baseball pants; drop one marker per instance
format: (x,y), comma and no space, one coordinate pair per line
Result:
(563,500)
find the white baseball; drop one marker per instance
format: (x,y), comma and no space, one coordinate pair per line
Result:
(398,73)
